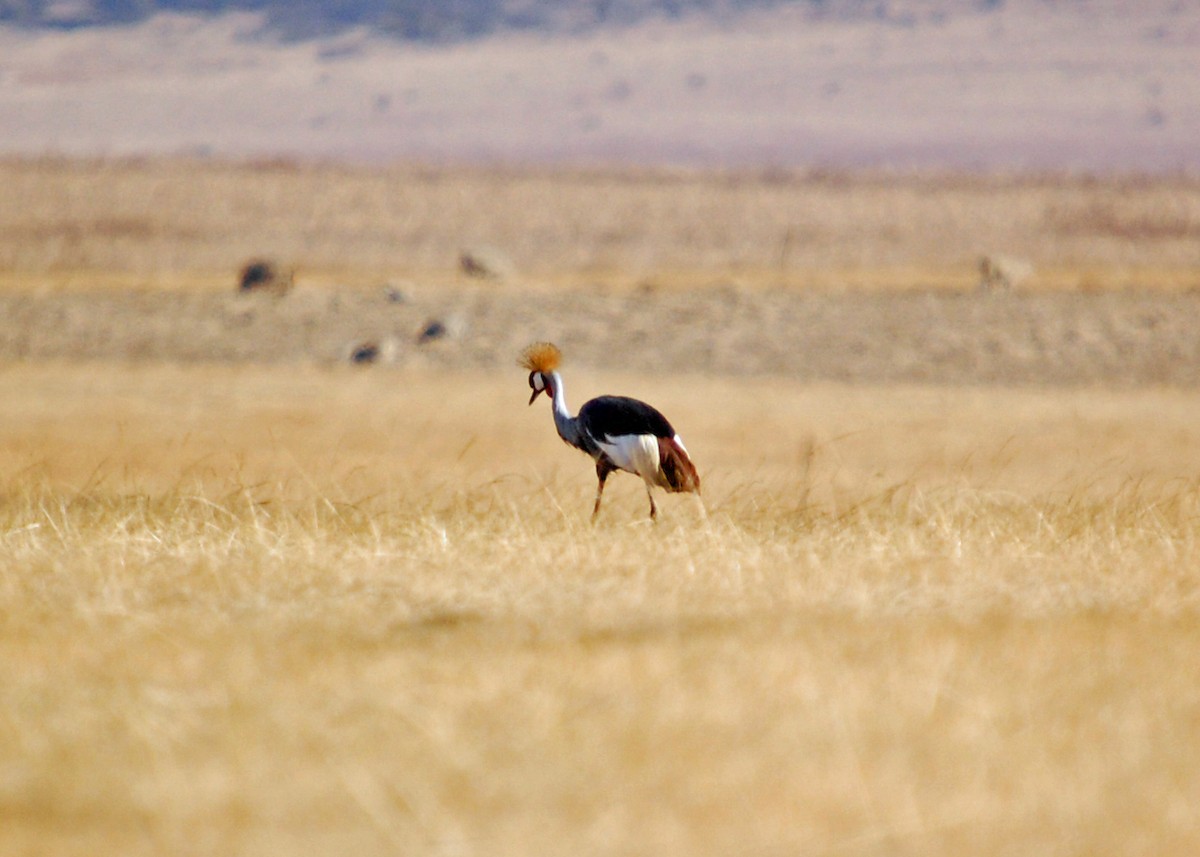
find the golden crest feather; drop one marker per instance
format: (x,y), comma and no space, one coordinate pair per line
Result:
(541,357)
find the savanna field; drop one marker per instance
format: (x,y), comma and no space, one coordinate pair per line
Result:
(941,595)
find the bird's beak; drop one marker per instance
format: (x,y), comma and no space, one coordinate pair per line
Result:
(536,393)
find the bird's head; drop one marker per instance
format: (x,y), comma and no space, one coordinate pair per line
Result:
(541,359)
(540,382)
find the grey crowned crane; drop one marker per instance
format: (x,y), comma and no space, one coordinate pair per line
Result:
(618,432)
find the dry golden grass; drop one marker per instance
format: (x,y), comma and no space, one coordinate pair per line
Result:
(273,611)
(254,611)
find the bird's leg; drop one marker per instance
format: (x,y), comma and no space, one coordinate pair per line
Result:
(603,468)
(653,508)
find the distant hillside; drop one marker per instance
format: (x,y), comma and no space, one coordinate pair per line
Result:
(441,20)
(1019,85)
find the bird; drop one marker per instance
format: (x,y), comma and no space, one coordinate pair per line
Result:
(620,433)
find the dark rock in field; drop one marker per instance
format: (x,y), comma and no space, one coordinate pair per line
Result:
(263,275)
(433,329)
(451,327)
(364,352)
(367,351)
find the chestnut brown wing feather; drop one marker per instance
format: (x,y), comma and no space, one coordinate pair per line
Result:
(677,469)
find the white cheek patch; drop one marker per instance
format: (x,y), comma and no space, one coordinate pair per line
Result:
(538,383)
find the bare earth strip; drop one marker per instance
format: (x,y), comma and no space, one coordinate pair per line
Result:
(1121,339)
(857,278)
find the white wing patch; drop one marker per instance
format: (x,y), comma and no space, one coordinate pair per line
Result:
(635,453)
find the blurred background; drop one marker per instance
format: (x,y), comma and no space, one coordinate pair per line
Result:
(1086,85)
(711,186)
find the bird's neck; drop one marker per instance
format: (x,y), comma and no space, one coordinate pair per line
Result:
(568,428)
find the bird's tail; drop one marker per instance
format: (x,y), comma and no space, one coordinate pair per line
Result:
(676,471)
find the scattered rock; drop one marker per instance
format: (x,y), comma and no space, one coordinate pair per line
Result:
(364,352)
(450,328)
(486,263)
(434,329)
(395,294)
(1002,273)
(263,275)
(373,351)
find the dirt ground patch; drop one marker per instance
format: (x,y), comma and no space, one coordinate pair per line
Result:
(810,276)
(1120,339)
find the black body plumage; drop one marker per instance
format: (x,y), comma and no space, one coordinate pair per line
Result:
(618,416)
